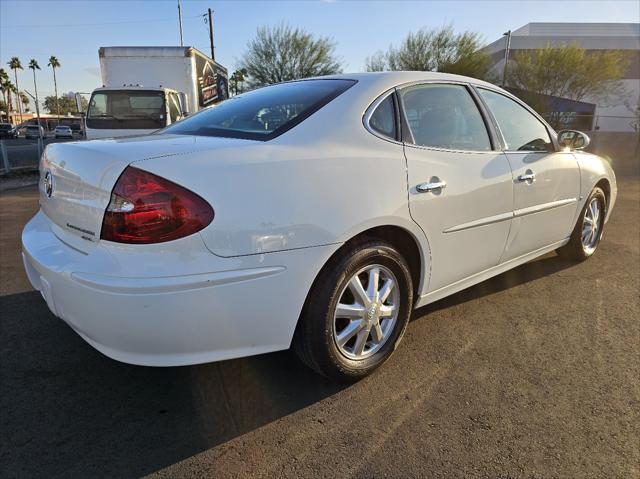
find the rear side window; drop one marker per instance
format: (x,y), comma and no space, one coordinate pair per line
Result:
(265,113)
(383,119)
(521,130)
(444,116)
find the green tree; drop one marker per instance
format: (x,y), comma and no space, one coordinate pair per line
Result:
(25,100)
(33,64)
(55,63)
(67,104)
(15,65)
(8,89)
(283,53)
(237,81)
(565,71)
(439,49)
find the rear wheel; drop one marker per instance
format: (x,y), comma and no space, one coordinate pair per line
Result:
(587,233)
(356,312)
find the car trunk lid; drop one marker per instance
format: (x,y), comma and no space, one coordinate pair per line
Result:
(76,179)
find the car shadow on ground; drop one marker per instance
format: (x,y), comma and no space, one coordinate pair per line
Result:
(539,268)
(67,410)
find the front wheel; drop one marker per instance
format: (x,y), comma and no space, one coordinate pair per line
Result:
(587,233)
(356,312)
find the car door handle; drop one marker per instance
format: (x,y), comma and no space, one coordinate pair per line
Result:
(528,176)
(427,187)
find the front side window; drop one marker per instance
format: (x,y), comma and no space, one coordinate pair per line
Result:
(521,130)
(383,119)
(264,113)
(444,116)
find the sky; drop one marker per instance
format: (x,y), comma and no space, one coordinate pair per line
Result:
(74,30)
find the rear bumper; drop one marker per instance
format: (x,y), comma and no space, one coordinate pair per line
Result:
(215,309)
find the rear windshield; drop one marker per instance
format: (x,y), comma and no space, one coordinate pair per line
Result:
(262,114)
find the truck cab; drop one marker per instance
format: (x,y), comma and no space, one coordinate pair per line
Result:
(131,110)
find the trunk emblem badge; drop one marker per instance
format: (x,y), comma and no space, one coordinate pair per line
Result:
(48,183)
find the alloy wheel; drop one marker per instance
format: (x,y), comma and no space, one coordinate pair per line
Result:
(367,312)
(591,226)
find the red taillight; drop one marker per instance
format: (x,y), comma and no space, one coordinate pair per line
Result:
(145,208)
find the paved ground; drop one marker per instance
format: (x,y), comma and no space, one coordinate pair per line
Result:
(535,373)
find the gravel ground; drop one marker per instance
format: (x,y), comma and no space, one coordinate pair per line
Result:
(535,373)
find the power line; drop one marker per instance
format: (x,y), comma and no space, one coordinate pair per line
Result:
(96,24)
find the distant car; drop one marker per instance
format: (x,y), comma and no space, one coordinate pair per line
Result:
(7,130)
(63,131)
(341,204)
(77,129)
(34,131)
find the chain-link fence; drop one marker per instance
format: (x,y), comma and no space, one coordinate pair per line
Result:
(22,154)
(622,149)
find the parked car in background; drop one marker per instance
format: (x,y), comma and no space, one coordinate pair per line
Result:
(317,213)
(7,130)
(77,129)
(33,132)
(63,131)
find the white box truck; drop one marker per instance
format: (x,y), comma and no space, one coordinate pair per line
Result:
(147,88)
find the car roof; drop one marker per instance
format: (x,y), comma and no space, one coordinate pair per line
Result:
(382,81)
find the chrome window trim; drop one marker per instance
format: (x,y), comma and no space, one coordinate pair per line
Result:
(435,148)
(553,135)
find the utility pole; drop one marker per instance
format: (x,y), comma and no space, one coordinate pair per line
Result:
(35,99)
(213,53)
(180,20)
(506,56)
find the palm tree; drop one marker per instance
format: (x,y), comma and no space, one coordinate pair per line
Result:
(15,65)
(4,88)
(9,88)
(25,100)
(55,63)
(34,66)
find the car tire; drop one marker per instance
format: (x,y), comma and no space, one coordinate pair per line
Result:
(587,233)
(320,337)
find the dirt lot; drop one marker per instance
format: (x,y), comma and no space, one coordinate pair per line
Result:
(535,373)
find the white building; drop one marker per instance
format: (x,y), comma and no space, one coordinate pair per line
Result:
(618,114)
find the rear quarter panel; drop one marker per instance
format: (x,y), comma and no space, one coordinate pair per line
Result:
(322,182)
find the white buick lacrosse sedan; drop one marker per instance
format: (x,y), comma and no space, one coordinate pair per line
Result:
(314,213)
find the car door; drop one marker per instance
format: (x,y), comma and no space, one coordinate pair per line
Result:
(546,180)
(460,184)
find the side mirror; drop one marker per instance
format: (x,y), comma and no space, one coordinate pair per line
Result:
(573,139)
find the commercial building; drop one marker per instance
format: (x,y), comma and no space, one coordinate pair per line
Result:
(617,114)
